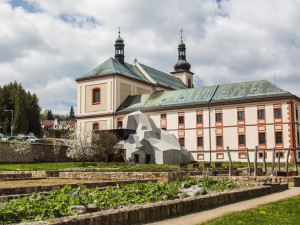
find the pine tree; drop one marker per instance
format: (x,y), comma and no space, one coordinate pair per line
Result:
(25,108)
(72,114)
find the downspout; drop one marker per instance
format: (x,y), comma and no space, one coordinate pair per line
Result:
(293,127)
(209,122)
(114,96)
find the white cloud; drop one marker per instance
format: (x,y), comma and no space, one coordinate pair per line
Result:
(47,48)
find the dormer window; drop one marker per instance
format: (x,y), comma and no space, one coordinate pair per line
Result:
(96,96)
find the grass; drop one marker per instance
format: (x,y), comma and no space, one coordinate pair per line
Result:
(115,166)
(90,165)
(285,212)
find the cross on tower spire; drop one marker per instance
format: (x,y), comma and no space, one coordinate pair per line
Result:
(181,31)
(119,31)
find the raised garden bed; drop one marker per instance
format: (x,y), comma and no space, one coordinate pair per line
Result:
(68,201)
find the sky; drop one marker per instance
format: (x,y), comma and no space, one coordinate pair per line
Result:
(46,44)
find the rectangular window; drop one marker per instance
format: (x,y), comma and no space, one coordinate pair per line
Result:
(200,141)
(220,155)
(262,138)
(279,153)
(163,116)
(261,114)
(200,118)
(297,114)
(181,142)
(219,140)
(219,117)
(278,137)
(298,137)
(120,124)
(200,156)
(96,95)
(277,113)
(242,155)
(241,115)
(181,119)
(241,139)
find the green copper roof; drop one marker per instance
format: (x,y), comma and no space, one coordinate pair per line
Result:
(164,79)
(203,95)
(247,90)
(111,66)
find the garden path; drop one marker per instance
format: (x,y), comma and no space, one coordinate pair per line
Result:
(200,217)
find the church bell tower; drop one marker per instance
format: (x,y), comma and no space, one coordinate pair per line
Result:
(119,49)
(182,67)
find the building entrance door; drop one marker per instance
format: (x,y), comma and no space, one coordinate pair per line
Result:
(136,158)
(148,158)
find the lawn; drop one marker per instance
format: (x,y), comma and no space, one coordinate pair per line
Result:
(114,166)
(285,212)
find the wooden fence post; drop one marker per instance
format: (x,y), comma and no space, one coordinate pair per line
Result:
(264,161)
(273,163)
(278,155)
(295,163)
(287,161)
(248,160)
(230,163)
(255,161)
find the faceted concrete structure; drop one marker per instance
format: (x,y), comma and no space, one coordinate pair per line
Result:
(151,144)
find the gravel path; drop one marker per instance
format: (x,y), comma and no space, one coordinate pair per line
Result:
(197,218)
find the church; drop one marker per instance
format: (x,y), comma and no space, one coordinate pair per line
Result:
(205,120)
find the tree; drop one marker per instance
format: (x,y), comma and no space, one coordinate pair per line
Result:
(25,106)
(56,149)
(105,143)
(79,147)
(50,115)
(72,114)
(21,146)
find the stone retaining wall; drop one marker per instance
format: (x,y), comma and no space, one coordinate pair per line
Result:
(159,176)
(46,188)
(15,176)
(292,181)
(162,210)
(38,153)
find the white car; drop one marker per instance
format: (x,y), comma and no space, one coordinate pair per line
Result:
(3,137)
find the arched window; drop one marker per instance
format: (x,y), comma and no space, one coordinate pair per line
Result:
(96,96)
(95,126)
(189,83)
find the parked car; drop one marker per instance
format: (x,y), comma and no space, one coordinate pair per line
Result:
(42,141)
(3,137)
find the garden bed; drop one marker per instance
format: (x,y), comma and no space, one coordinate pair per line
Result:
(161,210)
(68,201)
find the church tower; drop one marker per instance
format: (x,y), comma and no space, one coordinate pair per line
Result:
(182,67)
(119,49)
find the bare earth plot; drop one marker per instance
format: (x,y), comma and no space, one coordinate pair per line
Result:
(42,182)
(197,218)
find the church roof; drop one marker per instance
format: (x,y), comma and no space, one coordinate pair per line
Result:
(112,66)
(225,93)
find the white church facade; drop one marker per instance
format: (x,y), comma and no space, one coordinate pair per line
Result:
(205,120)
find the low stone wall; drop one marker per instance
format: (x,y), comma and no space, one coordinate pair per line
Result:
(259,180)
(162,210)
(46,188)
(15,176)
(159,176)
(38,153)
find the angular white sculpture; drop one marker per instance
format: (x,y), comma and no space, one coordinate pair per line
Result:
(151,144)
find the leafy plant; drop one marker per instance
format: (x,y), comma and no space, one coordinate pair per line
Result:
(59,202)
(190,180)
(213,185)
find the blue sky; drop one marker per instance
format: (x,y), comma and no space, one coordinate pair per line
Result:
(47,44)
